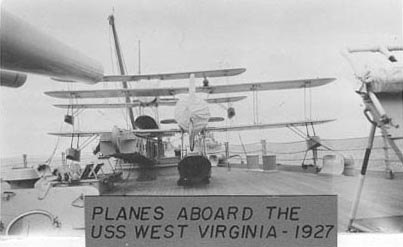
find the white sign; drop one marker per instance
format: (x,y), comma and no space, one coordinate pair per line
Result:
(211,221)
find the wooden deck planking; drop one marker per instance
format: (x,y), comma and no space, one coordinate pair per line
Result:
(380,197)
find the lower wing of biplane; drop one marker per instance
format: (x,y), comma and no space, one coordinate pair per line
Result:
(170,132)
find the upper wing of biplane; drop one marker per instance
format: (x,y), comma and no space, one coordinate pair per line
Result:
(176,76)
(233,88)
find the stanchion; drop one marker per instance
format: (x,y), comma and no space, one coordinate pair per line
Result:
(362,177)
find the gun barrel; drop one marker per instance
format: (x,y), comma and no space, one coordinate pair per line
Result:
(27,49)
(12,79)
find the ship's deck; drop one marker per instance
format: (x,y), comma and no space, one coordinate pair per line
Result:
(380,198)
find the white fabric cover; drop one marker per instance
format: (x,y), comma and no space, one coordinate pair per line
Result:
(192,107)
(386,80)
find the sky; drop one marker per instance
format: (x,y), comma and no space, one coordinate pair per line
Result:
(273,40)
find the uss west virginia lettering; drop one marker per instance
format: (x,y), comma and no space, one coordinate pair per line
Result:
(211,221)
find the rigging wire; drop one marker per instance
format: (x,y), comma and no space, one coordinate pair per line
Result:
(305,102)
(253,107)
(257,106)
(308,101)
(50,159)
(78,119)
(297,131)
(310,104)
(139,57)
(78,112)
(243,145)
(292,128)
(88,141)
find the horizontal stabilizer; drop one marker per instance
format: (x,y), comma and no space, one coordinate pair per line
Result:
(173,121)
(216,119)
(168,121)
(219,89)
(225,99)
(176,76)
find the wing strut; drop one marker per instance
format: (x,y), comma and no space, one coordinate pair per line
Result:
(255,107)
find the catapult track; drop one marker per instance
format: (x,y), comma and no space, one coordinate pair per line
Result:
(381,197)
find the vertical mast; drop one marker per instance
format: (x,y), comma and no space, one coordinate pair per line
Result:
(111,20)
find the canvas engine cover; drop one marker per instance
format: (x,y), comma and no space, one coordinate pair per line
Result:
(192,107)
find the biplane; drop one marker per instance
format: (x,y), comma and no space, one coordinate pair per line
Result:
(142,144)
(192,116)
